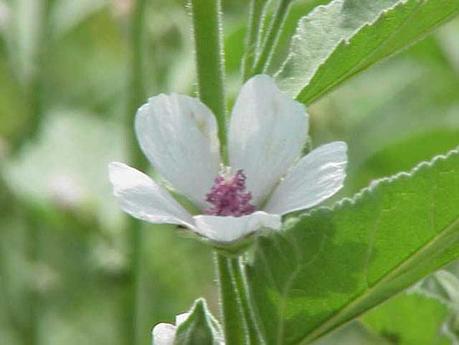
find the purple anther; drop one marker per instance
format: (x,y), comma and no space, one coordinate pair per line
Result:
(228,196)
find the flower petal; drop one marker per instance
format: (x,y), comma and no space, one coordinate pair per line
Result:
(181,318)
(164,334)
(316,177)
(178,134)
(229,229)
(143,198)
(267,133)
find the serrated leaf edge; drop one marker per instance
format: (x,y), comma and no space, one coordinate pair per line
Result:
(318,331)
(373,185)
(344,41)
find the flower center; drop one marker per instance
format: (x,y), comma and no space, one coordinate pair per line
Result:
(228,196)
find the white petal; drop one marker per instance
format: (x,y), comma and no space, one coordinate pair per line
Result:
(316,177)
(228,229)
(267,133)
(178,134)
(181,318)
(163,334)
(143,198)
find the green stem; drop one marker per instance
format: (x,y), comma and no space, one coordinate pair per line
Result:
(272,38)
(233,323)
(34,87)
(253,33)
(31,334)
(34,92)
(255,337)
(207,30)
(136,96)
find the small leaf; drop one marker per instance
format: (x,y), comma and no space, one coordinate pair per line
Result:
(336,41)
(332,265)
(200,327)
(442,285)
(410,318)
(352,334)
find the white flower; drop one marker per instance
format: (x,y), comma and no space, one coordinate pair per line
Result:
(266,177)
(164,333)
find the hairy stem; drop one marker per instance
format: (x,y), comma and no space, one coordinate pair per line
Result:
(233,323)
(253,36)
(255,337)
(207,30)
(272,38)
(136,95)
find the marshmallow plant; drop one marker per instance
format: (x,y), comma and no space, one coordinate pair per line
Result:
(227,178)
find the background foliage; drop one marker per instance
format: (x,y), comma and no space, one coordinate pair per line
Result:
(64,273)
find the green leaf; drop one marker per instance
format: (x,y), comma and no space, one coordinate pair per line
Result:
(200,327)
(353,334)
(332,265)
(410,318)
(335,42)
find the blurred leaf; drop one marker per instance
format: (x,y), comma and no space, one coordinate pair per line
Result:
(24,31)
(67,14)
(67,167)
(331,265)
(335,42)
(410,319)
(352,334)
(404,154)
(199,328)
(442,285)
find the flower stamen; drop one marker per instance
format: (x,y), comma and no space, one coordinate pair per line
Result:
(228,196)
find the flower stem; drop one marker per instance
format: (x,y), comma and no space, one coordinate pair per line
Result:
(255,337)
(253,35)
(272,38)
(207,30)
(136,95)
(232,318)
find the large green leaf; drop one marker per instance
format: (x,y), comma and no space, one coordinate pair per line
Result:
(335,42)
(331,265)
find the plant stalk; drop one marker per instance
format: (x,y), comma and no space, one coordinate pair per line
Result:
(255,338)
(136,96)
(207,29)
(234,328)
(272,38)
(253,36)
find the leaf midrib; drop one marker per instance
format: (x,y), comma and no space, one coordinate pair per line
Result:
(362,64)
(372,52)
(328,324)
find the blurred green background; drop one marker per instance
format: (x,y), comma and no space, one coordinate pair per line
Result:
(65,71)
